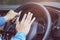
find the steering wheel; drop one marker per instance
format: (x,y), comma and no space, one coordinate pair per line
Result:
(43,18)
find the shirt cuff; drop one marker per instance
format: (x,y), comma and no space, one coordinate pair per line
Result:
(20,35)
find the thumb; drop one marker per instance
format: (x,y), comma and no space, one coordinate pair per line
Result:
(18,13)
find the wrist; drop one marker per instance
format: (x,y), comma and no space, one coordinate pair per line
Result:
(6,18)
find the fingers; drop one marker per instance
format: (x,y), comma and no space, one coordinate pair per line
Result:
(18,16)
(20,12)
(15,13)
(24,17)
(29,17)
(12,11)
(17,20)
(32,20)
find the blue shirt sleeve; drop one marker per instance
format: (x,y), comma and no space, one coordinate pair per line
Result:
(2,21)
(0,38)
(19,36)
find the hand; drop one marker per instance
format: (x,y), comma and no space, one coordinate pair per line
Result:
(25,24)
(10,15)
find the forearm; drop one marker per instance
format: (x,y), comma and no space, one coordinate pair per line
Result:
(19,36)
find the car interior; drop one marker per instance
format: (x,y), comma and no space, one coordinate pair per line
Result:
(45,27)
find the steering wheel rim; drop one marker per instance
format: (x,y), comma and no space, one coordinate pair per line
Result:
(47,15)
(48,24)
(48,20)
